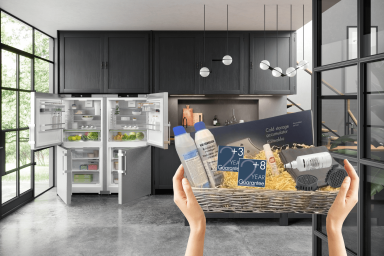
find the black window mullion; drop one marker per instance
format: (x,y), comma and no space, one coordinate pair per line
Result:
(17,125)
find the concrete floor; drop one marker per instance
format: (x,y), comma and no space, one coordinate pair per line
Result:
(96,225)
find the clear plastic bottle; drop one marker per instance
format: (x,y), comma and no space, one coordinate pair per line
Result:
(189,157)
(311,162)
(270,159)
(208,151)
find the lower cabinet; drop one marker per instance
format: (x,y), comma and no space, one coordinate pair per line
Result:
(165,165)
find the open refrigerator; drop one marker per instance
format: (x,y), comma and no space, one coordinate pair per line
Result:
(85,136)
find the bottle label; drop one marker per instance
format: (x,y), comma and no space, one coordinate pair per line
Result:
(272,160)
(214,122)
(196,168)
(208,153)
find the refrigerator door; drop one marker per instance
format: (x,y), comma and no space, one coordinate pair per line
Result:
(46,120)
(159,127)
(64,177)
(134,173)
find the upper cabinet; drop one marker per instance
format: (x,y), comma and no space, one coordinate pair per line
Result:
(177,62)
(104,62)
(280,52)
(223,79)
(127,63)
(81,57)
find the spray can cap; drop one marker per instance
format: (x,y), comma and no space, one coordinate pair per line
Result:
(199,126)
(291,165)
(178,130)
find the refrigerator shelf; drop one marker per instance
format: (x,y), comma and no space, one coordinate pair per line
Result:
(49,110)
(85,170)
(85,158)
(82,130)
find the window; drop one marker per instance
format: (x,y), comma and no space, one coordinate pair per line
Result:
(26,66)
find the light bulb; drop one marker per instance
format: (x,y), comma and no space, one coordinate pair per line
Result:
(204,72)
(227,60)
(276,72)
(291,72)
(264,64)
(303,64)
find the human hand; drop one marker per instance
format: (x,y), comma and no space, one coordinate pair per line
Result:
(186,201)
(345,200)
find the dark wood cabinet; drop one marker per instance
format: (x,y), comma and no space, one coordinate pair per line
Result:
(165,165)
(280,53)
(104,62)
(223,79)
(81,57)
(176,58)
(126,63)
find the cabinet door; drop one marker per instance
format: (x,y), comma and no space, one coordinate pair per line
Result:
(81,57)
(176,63)
(223,79)
(134,173)
(64,174)
(165,165)
(127,63)
(262,81)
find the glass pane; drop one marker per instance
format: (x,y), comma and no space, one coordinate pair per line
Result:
(374,198)
(15,33)
(350,224)
(324,248)
(43,45)
(8,69)
(338,116)
(339,31)
(374,135)
(25,179)
(374,41)
(43,80)
(43,168)
(25,148)
(342,81)
(8,187)
(10,151)
(8,109)
(25,109)
(25,73)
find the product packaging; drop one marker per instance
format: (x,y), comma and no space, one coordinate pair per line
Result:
(270,159)
(207,148)
(311,162)
(190,159)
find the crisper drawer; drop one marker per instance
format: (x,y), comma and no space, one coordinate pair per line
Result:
(82,135)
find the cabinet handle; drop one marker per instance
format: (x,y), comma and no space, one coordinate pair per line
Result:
(251,64)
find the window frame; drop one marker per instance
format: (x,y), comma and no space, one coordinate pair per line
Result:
(364,27)
(28,195)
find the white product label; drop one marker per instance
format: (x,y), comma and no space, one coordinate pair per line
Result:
(195,167)
(208,152)
(214,122)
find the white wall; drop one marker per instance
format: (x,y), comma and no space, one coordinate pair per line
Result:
(304,88)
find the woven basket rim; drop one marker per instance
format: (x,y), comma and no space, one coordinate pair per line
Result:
(248,190)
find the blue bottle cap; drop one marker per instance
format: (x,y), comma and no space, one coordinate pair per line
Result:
(178,130)
(199,126)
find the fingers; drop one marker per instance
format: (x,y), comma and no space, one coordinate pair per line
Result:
(188,190)
(177,188)
(344,189)
(354,188)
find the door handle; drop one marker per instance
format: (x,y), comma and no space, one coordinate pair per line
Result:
(64,168)
(169,134)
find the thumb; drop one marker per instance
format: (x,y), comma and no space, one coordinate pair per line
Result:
(188,189)
(344,188)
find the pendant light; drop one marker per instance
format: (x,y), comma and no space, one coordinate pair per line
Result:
(264,64)
(291,71)
(227,60)
(276,72)
(303,64)
(204,71)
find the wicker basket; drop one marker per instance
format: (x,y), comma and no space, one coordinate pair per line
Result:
(263,201)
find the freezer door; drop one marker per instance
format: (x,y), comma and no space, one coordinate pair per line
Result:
(64,175)
(45,129)
(159,130)
(134,173)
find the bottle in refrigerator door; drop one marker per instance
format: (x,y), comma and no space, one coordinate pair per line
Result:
(208,151)
(190,159)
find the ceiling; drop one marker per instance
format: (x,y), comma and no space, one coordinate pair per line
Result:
(52,15)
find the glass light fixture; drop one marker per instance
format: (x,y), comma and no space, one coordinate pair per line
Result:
(302,65)
(264,64)
(276,72)
(291,72)
(204,72)
(227,60)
